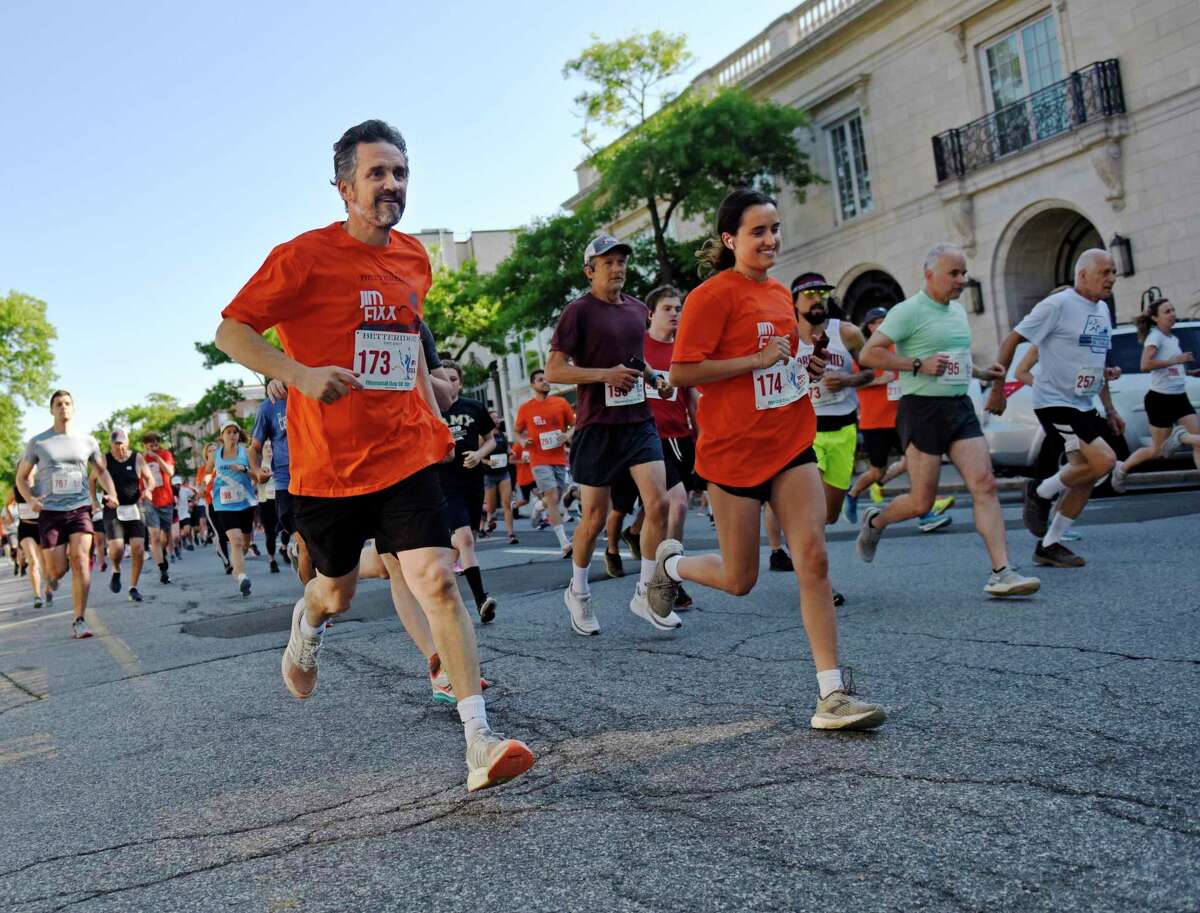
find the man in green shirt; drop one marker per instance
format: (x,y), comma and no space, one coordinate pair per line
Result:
(936,417)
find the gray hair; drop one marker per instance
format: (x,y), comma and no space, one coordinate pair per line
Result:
(345,150)
(939,250)
(1089,258)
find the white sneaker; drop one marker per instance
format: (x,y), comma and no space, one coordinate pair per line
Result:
(639,605)
(1119,477)
(1174,442)
(583,619)
(492,759)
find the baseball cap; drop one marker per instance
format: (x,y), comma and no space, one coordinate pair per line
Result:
(229,423)
(119,436)
(603,244)
(809,282)
(875,314)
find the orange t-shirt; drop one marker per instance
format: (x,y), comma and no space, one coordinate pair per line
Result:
(732,316)
(163,495)
(524,470)
(318,290)
(538,417)
(875,410)
(204,483)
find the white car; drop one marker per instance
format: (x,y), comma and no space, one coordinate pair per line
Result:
(1015,438)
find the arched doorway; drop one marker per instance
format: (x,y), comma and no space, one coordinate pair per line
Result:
(873,288)
(1041,257)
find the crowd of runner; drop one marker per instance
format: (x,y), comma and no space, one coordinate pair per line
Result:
(365,461)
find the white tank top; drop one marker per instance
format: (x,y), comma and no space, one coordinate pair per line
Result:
(837,361)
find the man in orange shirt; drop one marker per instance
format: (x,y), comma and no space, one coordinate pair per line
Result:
(544,425)
(365,440)
(160,514)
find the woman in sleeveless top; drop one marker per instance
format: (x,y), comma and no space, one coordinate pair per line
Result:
(233,497)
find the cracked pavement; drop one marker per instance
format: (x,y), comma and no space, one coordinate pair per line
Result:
(1041,754)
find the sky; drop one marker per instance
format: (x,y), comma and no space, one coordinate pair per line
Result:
(154,153)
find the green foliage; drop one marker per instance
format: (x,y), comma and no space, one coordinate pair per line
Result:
(160,412)
(474,374)
(645,271)
(460,310)
(688,156)
(628,79)
(213,356)
(220,397)
(26,371)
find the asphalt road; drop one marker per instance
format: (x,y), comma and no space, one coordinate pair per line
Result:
(1041,754)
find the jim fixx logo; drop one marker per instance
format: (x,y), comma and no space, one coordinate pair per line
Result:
(766,330)
(373,308)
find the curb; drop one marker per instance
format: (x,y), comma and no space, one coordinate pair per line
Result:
(1137,480)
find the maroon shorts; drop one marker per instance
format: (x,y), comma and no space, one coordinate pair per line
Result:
(56,526)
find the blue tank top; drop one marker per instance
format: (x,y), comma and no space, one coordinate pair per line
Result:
(232,489)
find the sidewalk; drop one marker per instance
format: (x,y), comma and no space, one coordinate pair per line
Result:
(952,483)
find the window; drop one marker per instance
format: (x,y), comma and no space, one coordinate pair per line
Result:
(852,177)
(1022,72)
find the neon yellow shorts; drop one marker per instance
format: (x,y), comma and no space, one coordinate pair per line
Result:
(835,455)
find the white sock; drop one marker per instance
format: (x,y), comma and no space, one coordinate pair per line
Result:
(538,506)
(561,534)
(473,714)
(308,630)
(241,577)
(830,681)
(1058,526)
(647,571)
(579,581)
(1051,487)
(671,566)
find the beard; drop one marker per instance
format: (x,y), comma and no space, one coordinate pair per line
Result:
(816,314)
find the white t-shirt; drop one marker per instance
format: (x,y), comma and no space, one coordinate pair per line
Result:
(184,499)
(838,360)
(1073,336)
(1166,380)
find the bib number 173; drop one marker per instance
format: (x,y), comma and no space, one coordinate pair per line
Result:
(386,360)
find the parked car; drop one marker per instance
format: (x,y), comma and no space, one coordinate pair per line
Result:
(1015,438)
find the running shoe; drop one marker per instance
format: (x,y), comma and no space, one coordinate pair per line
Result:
(299,663)
(876,493)
(458,568)
(851,507)
(114,584)
(613,565)
(639,605)
(228,568)
(932,522)
(492,759)
(284,556)
(780,561)
(134,595)
(583,619)
(439,683)
(513,540)
(1008,582)
(80,629)
(1056,555)
(868,536)
(37,602)
(683,601)
(51,586)
(487,610)
(838,598)
(661,591)
(633,542)
(1174,442)
(254,550)
(542,524)
(1036,511)
(568,550)
(164,577)
(1119,478)
(244,586)
(941,505)
(1071,536)
(840,710)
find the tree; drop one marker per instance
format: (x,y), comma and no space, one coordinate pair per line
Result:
(160,412)
(690,154)
(461,310)
(213,356)
(26,370)
(629,79)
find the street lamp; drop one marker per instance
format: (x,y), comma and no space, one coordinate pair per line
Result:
(1122,253)
(972,296)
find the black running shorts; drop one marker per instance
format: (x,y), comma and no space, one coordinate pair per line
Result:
(401,517)
(230,520)
(1163,410)
(624,489)
(600,452)
(464,502)
(933,423)
(1071,426)
(880,444)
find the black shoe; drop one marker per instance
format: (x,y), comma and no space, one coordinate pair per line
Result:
(1056,555)
(633,542)
(838,598)
(228,569)
(487,610)
(283,556)
(683,601)
(190,547)
(781,561)
(244,586)
(254,550)
(613,566)
(274,567)
(115,583)
(24,569)
(164,577)
(134,595)
(1036,510)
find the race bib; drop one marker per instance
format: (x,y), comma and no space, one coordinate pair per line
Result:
(128,512)
(385,360)
(1088,381)
(229,496)
(1175,371)
(893,391)
(155,472)
(270,487)
(499,461)
(823,396)
(66,482)
(652,393)
(614,397)
(779,385)
(25,512)
(550,439)
(958,368)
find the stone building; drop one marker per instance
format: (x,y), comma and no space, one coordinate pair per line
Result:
(1024,130)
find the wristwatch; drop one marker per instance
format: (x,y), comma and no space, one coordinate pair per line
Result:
(916,366)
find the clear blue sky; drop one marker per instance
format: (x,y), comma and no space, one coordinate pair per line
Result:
(154,153)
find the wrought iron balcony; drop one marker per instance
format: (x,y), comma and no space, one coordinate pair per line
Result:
(1086,95)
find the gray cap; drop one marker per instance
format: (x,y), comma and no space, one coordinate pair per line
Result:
(874,314)
(603,244)
(119,436)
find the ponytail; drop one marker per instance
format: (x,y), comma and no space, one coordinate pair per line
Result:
(713,256)
(1145,320)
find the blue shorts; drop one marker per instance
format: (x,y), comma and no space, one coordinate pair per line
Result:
(601,453)
(159,517)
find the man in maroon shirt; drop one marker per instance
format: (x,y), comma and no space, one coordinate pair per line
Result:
(597,345)
(674,416)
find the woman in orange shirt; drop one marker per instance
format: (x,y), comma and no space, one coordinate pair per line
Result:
(737,342)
